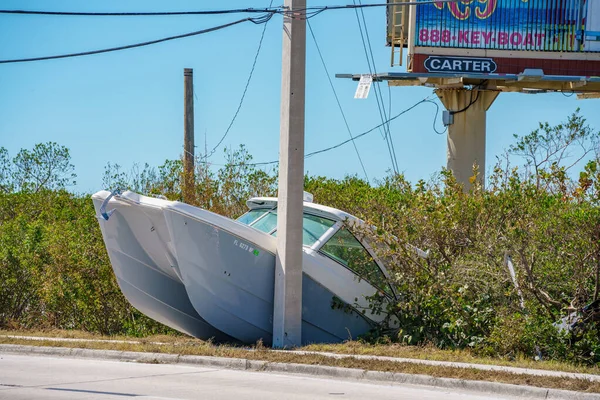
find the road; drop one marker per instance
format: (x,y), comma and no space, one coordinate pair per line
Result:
(49,378)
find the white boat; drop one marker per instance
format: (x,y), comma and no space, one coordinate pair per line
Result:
(141,256)
(211,276)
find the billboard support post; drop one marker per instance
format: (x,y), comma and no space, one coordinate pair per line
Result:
(466,136)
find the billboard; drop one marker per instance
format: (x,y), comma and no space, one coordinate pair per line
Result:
(507,36)
(535,25)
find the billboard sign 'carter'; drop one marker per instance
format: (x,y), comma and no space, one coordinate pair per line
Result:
(460,65)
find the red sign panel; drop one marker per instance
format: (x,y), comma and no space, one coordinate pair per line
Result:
(511,65)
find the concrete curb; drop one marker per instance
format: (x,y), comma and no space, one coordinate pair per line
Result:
(452,364)
(302,369)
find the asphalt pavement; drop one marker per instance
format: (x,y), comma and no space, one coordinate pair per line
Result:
(43,377)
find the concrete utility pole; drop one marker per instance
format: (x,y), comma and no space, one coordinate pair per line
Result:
(287,310)
(466,136)
(188,135)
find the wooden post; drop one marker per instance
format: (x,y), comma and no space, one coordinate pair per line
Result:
(188,135)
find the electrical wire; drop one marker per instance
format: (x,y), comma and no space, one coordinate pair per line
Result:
(375,88)
(307,15)
(312,11)
(237,111)
(384,135)
(378,87)
(471,102)
(143,14)
(388,4)
(261,20)
(425,100)
(337,99)
(369,131)
(309,12)
(437,111)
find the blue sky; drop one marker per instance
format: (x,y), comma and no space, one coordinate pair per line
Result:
(127,107)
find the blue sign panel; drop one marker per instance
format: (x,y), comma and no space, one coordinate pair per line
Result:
(534,25)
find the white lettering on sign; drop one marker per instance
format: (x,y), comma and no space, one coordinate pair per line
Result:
(460,65)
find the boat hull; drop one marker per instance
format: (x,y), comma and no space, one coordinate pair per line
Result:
(149,284)
(228,270)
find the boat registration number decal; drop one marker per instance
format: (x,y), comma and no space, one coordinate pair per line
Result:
(246,247)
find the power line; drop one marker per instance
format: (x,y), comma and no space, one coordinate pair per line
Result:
(471,102)
(337,99)
(378,88)
(369,131)
(425,100)
(261,20)
(142,14)
(262,36)
(353,6)
(437,111)
(386,136)
(311,11)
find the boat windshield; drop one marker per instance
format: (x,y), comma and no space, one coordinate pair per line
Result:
(268,223)
(251,216)
(344,248)
(313,227)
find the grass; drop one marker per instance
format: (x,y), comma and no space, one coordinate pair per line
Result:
(184,345)
(351,347)
(436,354)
